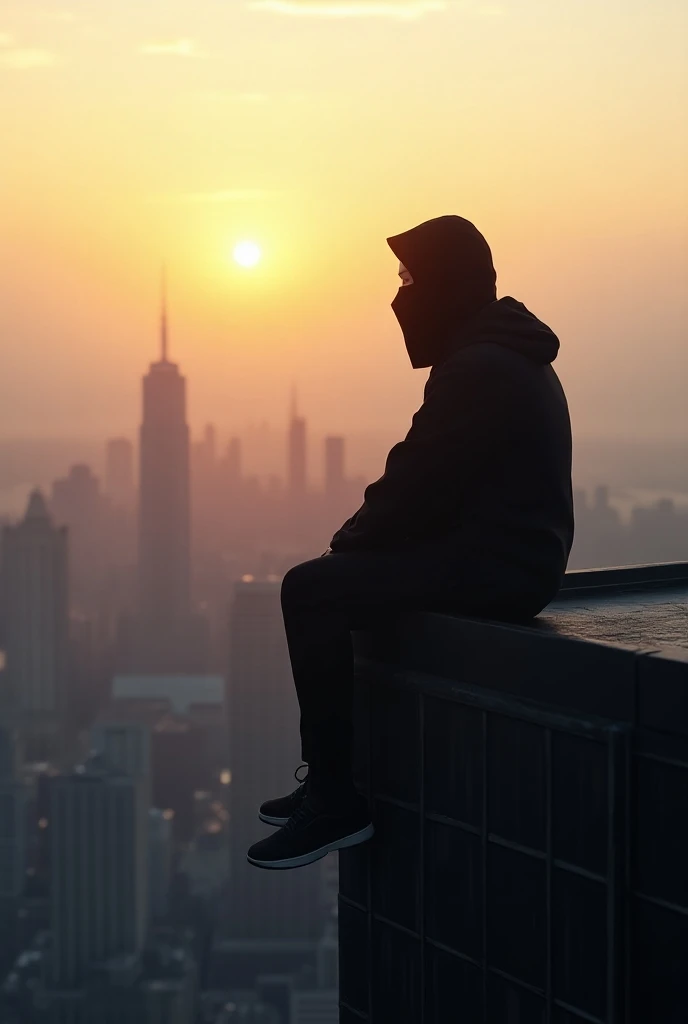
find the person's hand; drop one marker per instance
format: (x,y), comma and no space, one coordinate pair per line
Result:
(328,552)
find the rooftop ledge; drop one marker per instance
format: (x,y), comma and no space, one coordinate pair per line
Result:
(529,789)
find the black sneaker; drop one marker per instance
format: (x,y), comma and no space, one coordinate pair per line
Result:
(312,833)
(278,812)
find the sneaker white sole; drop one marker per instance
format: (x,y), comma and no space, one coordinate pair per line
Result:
(272,821)
(309,858)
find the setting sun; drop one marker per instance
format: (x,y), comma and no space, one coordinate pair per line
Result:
(246,254)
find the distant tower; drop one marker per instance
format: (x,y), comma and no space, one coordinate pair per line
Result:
(297,481)
(210,442)
(13,810)
(76,498)
(164,512)
(204,484)
(160,847)
(232,464)
(119,471)
(204,458)
(35,613)
(265,906)
(334,466)
(78,503)
(165,636)
(99,882)
(125,748)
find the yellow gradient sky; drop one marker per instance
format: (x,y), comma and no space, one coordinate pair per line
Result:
(132,132)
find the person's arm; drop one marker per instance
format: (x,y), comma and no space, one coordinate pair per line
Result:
(444,453)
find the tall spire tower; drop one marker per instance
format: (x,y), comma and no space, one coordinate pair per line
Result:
(163,315)
(164,611)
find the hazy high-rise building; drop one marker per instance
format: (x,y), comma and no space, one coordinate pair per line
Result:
(204,464)
(334,466)
(124,747)
(209,443)
(232,461)
(13,814)
(164,635)
(13,823)
(119,471)
(78,503)
(297,481)
(10,758)
(99,872)
(164,503)
(160,848)
(36,623)
(264,752)
(76,497)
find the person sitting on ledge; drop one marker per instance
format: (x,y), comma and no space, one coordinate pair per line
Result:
(473,515)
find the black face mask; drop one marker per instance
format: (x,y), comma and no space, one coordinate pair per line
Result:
(453,278)
(424,324)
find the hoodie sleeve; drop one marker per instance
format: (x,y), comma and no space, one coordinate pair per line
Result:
(453,440)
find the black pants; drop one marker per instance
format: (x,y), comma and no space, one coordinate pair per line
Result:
(324,599)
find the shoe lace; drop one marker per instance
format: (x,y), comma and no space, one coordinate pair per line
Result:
(296,773)
(301,813)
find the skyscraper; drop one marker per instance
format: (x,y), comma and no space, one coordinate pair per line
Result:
(119,471)
(232,461)
(296,455)
(160,848)
(99,872)
(265,906)
(78,503)
(13,802)
(165,635)
(36,616)
(334,467)
(124,747)
(164,507)
(76,498)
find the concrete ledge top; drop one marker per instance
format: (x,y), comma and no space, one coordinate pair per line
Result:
(644,606)
(613,644)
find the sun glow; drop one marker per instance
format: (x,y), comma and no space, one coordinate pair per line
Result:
(246,254)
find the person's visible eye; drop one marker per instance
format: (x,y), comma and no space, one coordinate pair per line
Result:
(405,275)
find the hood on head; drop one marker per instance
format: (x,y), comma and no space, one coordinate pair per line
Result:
(453,278)
(449,250)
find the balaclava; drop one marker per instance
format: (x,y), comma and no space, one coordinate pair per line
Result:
(453,278)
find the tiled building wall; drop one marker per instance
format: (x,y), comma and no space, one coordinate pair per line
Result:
(529,863)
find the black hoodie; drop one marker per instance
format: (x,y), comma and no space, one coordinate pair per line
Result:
(486,465)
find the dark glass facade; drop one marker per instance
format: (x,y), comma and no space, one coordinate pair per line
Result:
(529,790)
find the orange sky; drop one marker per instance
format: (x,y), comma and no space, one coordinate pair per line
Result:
(135,132)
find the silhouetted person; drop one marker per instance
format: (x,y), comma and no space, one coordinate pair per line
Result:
(474,513)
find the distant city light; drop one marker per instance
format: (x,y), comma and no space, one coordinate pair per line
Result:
(42,822)
(168,814)
(247,578)
(3,660)
(225,777)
